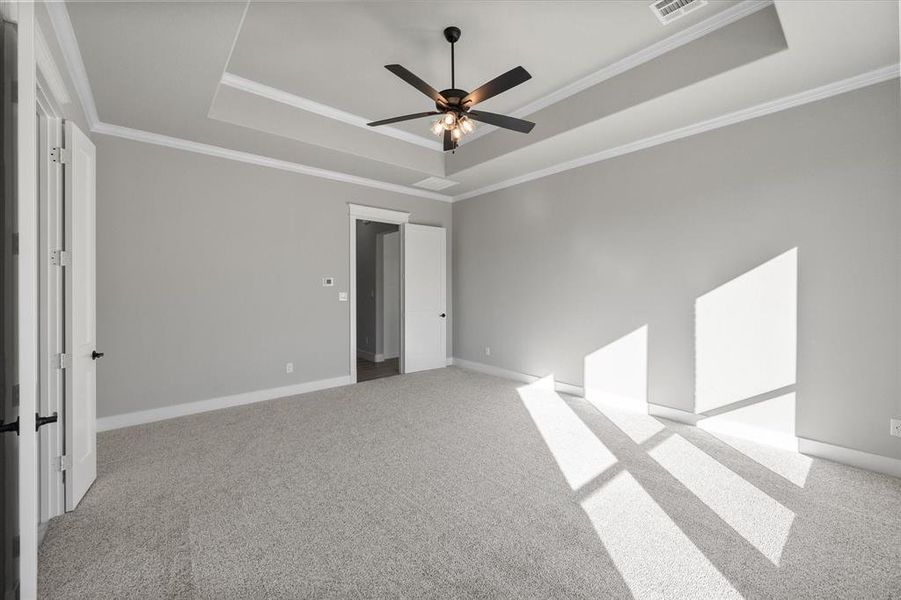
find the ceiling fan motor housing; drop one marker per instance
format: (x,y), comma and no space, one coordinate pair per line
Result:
(454,97)
(455,105)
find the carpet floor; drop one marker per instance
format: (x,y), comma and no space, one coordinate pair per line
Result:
(453,484)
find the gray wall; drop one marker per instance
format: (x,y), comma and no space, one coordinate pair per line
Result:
(209,274)
(366,282)
(551,270)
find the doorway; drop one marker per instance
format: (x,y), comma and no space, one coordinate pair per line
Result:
(422,306)
(377,299)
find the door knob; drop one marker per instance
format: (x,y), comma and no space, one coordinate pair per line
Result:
(40,421)
(95,355)
(442,315)
(14,426)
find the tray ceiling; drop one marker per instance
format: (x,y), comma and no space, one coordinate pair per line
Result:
(605,74)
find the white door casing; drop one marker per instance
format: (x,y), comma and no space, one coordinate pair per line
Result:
(424,252)
(22,13)
(81,315)
(366,213)
(50,437)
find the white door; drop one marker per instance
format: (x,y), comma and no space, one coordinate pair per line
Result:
(81,312)
(425,301)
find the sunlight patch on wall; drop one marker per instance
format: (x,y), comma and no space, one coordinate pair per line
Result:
(746,334)
(580,455)
(655,558)
(615,380)
(754,515)
(618,372)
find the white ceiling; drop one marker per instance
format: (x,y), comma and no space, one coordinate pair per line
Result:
(310,73)
(334,53)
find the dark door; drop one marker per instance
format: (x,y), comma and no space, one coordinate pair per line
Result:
(9,403)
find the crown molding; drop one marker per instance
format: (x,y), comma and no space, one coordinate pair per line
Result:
(678,39)
(48,69)
(234,44)
(819,93)
(72,56)
(65,35)
(254,87)
(257,159)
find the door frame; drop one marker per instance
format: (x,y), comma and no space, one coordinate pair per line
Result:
(23,14)
(51,341)
(359,212)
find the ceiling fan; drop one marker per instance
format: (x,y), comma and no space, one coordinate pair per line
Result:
(455,106)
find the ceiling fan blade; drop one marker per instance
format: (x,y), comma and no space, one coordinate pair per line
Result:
(500,84)
(504,121)
(448,140)
(403,118)
(418,83)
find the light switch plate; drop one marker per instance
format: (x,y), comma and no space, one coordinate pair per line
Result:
(342,296)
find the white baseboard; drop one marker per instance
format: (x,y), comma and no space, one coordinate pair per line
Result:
(847,456)
(673,414)
(190,408)
(839,454)
(760,435)
(566,388)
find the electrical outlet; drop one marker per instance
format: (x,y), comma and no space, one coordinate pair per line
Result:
(289,367)
(896,427)
(328,281)
(487,351)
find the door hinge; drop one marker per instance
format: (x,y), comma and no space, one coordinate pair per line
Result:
(60,155)
(63,360)
(60,258)
(64,463)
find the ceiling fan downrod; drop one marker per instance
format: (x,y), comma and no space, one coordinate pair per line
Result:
(452,34)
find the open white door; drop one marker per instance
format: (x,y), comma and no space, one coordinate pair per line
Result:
(81,312)
(425,300)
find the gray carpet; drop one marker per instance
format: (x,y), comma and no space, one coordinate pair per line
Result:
(450,484)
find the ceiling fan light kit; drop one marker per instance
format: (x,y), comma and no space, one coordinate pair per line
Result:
(454,106)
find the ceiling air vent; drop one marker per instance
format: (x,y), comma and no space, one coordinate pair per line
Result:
(670,10)
(435,183)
